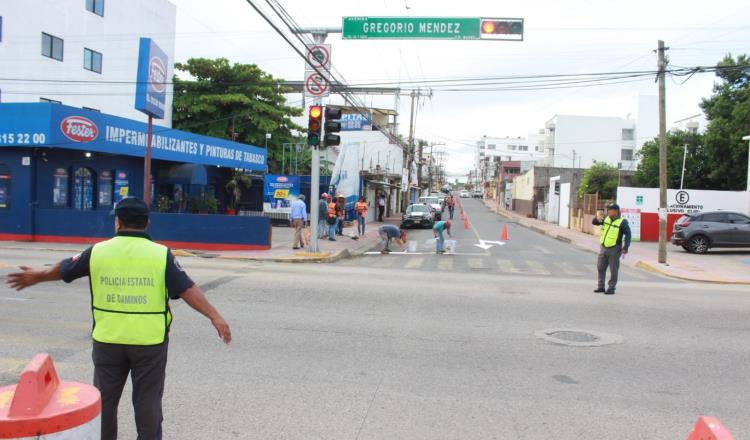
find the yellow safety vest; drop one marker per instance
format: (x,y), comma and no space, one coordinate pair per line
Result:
(128,291)
(610,230)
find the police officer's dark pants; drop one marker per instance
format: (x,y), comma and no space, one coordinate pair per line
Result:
(146,366)
(609,257)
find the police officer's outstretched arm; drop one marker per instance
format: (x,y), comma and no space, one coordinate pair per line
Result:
(195,298)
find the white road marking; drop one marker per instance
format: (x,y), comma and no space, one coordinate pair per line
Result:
(475,263)
(568,268)
(537,267)
(542,249)
(445,263)
(414,263)
(506,266)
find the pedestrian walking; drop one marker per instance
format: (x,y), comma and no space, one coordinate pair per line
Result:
(381,207)
(437,229)
(299,220)
(332,219)
(391,232)
(131,280)
(614,237)
(361,209)
(341,214)
(322,213)
(450,201)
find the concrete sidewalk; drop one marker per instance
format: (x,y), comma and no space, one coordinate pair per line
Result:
(729,266)
(281,247)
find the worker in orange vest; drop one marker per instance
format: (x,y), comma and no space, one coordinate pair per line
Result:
(332,219)
(361,209)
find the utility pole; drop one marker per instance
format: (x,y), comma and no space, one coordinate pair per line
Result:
(662,65)
(684,156)
(408,155)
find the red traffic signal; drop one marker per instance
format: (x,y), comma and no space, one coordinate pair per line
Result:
(501,28)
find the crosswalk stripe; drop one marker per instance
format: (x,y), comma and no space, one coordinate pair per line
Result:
(537,267)
(414,263)
(475,263)
(506,266)
(445,263)
(568,268)
(542,249)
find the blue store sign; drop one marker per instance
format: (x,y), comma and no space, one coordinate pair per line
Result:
(61,126)
(151,86)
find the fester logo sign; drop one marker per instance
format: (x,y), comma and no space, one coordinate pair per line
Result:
(79,129)
(151,87)
(157,75)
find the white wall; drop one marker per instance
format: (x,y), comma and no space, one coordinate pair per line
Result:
(364,147)
(594,139)
(697,200)
(115,36)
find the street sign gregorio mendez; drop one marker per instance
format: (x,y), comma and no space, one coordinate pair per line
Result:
(432,28)
(151,87)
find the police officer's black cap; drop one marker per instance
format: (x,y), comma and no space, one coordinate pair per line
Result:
(131,209)
(614,206)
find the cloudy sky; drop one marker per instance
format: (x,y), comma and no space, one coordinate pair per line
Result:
(567,37)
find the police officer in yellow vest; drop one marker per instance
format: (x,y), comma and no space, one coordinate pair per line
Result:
(132,280)
(615,240)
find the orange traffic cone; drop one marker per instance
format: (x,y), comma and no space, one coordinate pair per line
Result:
(505,232)
(466,222)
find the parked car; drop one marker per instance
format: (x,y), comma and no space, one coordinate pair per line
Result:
(477,194)
(463,194)
(697,233)
(418,215)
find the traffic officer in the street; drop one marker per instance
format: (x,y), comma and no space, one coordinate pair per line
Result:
(614,237)
(131,280)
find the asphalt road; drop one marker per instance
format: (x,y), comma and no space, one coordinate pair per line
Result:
(526,254)
(370,350)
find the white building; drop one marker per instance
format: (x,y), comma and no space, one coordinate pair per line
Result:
(694,124)
(82,53)
(580,141)
(491,151)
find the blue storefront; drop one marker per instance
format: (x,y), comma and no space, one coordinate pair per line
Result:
(62,169)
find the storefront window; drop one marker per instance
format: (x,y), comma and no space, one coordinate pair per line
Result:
(105,189)
(83,189)
(4,187)
(60,188)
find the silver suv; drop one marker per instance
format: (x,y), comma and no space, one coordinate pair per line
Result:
(697,233)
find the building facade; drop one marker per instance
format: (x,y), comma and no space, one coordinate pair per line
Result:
(82,53)
(579,141)
(492,152)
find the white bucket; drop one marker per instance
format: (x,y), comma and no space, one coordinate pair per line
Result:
(450,246)
(411,246)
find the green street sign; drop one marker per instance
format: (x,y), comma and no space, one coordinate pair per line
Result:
(432,28)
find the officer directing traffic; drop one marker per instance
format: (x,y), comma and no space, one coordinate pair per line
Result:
(613,229)
(131,280)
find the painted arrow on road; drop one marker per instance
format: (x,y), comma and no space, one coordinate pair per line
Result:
(486,244)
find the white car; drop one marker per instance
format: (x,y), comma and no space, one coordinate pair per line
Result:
(464,194)
(434,203)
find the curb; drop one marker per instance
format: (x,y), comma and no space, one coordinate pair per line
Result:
(648,267)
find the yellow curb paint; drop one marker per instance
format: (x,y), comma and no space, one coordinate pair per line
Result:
(650,268)
(182,253)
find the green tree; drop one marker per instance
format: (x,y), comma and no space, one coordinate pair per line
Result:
(696,163)
(728,113)
(601,178)
(237,101)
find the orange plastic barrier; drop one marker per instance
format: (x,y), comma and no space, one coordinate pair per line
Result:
(41,405)
(709,428)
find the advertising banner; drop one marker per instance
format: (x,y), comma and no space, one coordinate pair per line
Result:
(356,122)
(151,87)
(279,191)
(61,126)
(122,185)
(633,216)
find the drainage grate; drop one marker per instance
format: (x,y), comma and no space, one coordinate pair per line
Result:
(574,336)
(578,338)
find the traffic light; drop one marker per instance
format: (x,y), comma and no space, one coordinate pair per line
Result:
(501,28)
(332,126)
(314,125)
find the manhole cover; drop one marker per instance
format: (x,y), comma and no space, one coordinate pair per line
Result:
(573,336)
(578,338)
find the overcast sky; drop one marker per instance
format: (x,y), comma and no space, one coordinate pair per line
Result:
(560,38)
